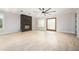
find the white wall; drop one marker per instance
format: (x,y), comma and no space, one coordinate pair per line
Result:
(66,22)
(11,23)
(43,27)
(34,23)
(78,23)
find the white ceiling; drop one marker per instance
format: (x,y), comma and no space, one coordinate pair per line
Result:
(36,12)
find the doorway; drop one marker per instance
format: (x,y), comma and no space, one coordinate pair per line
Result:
(51,24)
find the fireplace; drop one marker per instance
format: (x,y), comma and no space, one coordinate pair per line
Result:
(26,23)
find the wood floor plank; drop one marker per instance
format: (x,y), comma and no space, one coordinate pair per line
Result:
(39,41)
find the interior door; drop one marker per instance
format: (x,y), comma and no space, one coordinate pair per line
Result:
(51,24)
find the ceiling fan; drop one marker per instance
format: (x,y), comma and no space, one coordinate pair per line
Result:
(46,11)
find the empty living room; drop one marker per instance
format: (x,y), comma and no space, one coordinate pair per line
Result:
(39,29)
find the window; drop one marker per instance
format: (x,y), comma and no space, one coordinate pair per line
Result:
(51,24)
(1,21)
(41,23)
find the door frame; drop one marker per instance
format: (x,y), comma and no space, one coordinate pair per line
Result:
(55,24)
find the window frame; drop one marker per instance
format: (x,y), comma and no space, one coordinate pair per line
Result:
(55,24)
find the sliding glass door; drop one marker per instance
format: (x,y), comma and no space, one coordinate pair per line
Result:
(51,24)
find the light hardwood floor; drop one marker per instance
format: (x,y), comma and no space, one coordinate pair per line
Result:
(39,41)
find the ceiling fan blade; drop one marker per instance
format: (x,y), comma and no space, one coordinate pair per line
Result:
(47,10)
(40,9)
(50,12)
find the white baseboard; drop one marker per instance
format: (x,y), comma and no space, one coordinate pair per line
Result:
(3,33)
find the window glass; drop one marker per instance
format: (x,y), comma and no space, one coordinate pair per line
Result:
(1,21)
